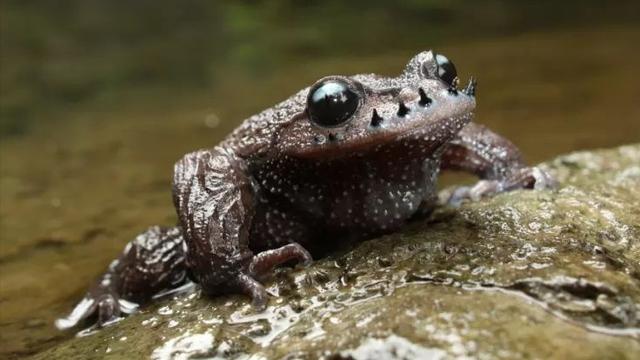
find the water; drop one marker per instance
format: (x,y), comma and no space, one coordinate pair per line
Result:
(98,99)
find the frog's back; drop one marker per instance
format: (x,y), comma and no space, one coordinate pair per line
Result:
(259,131)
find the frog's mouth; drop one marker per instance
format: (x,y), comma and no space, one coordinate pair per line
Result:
(405,116)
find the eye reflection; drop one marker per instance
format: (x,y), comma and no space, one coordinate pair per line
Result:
(331,103)
(446,70)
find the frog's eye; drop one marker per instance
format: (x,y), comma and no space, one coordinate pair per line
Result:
(446,70)
(331,103)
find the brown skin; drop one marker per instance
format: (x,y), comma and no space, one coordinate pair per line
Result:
(309,174)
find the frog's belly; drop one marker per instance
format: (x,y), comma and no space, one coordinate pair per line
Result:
(357,200)
(376,207)
(371,203)
(322,220)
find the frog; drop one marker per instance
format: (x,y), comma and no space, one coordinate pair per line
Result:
(346,159)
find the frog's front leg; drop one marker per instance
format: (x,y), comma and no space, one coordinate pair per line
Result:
(493,159)
(215,199)
(153,262)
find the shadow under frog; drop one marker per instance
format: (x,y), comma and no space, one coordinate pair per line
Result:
(348,158)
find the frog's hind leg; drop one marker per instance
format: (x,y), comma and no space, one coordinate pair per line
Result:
(493,159)
(153,263)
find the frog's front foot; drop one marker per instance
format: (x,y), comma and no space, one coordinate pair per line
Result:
(101,302)
(525,178)
(262,264)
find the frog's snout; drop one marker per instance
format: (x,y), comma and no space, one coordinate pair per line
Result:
(411,104)
(403,109)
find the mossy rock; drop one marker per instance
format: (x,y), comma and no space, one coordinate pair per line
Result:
(527,274)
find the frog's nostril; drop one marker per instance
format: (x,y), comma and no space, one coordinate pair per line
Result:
(424,99)
(336,136)
(403,110)
(376,119)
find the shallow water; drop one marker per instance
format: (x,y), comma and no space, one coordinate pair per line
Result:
(92,123)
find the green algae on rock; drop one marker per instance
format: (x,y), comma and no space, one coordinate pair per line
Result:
(527,274)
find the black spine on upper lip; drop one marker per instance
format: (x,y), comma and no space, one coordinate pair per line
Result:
(402,109)
(332,137)
(376,119)
(453,91)
(471,87)
(424,99)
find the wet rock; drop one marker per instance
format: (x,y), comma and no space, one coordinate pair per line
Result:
(529,274)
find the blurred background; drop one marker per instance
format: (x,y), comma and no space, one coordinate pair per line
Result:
(98,99)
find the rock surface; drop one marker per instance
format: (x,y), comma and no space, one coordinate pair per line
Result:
(528,274)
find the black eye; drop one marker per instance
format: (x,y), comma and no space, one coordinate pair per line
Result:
(331,103)
(446,70)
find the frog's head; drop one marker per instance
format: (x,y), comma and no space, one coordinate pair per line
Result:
(350,114)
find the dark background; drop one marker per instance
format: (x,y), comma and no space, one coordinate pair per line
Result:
(61,53)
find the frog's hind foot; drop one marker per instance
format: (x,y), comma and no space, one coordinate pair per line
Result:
(524,178)
(151,264)
(105,306)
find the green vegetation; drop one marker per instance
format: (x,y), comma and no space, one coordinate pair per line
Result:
(56,54)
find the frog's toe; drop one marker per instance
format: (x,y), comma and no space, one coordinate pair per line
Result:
(542,179)
(111,308)
(527,178)
(457,196)
(263,263)
(83,310)
(254,289)
(480,189)
(108,310)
